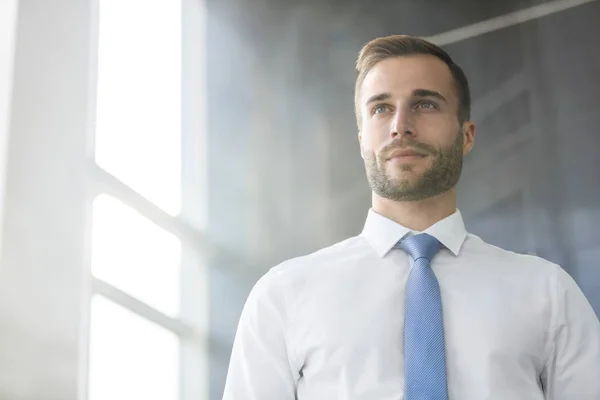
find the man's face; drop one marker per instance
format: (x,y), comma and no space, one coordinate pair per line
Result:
(411,140)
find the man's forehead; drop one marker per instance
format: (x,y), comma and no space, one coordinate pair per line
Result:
(403,75)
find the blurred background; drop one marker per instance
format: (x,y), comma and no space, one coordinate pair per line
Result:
(158,156)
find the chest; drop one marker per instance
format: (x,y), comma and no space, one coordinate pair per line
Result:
(488,323)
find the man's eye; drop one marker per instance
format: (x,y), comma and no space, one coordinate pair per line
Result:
(426,104)
(380,109)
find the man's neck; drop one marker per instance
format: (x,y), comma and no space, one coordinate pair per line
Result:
(417,215)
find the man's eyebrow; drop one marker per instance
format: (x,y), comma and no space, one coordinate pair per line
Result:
(416,92)
(429,93)
(378,97)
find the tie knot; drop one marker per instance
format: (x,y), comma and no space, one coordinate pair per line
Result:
(421,245)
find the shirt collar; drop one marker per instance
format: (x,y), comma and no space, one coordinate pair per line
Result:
(383,233)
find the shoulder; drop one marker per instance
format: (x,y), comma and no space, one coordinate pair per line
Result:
(525,274)
(273,292)
(337,253)
(277,288)
(477,247)
(298,270)
(513,268)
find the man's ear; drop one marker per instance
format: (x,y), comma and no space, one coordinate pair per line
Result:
(468,131)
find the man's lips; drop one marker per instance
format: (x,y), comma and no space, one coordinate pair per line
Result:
(404,153)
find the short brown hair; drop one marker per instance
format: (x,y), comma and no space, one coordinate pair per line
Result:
(402,45)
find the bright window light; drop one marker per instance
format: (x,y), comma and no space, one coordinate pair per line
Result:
(135,255)
(130,357)
(138,131)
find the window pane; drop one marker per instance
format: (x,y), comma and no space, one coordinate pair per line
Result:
(135,255)
(130,357)
(138,127)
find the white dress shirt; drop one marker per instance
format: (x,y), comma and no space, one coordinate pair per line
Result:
(329,325)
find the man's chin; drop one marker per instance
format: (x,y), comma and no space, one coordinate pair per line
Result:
(400,194)
(403,175)
(402,184)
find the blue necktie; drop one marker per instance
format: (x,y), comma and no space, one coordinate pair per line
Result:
(424,348)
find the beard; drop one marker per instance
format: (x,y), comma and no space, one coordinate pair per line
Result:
(442,176)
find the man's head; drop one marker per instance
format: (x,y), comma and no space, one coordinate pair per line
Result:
(412,109)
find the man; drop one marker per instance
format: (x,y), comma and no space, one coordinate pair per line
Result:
(415,307)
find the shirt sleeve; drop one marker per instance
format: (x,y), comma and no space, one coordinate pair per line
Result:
(572,370)
(259,367)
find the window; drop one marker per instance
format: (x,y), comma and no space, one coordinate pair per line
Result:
(138,127)
(135,255)
(146,313)
(130,357)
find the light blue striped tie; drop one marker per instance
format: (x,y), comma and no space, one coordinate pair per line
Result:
(424,348)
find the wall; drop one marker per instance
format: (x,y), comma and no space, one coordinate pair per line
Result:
(42,275)
(8,15)
(286,175)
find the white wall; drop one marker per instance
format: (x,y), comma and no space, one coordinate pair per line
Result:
(43,274)
(8,15)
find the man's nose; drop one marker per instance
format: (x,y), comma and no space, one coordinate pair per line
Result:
(402,123)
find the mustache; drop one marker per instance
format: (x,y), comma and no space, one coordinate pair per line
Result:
(407,144)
